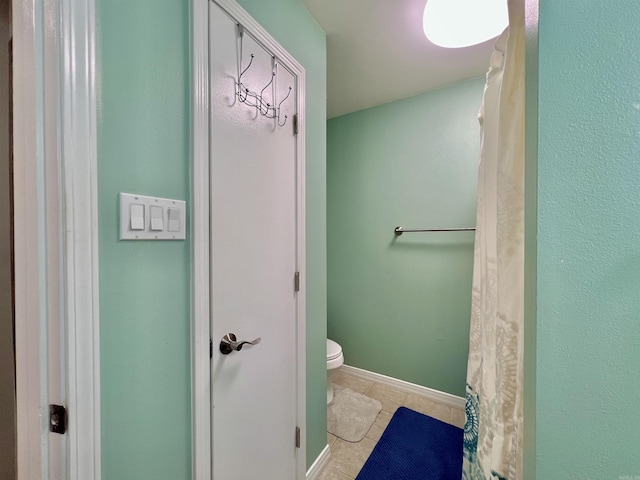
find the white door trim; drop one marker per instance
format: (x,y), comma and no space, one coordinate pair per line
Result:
(200,307)
(69,78)
(80,262)
(201,365)
(27,167)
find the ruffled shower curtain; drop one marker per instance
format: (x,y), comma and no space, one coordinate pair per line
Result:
(494,403)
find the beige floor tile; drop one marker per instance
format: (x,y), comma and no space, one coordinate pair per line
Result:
(333,474)
(390,398)
(457,417)
(356,384)
(427,406)
(331,439)
(348,458)
(383,419)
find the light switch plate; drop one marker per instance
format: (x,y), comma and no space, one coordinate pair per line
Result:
(178,232)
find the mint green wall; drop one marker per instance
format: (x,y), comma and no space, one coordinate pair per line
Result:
(143,147)
(292,26)
(588,326)
(401,306)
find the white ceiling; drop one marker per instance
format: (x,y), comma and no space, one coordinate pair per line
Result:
(377,53)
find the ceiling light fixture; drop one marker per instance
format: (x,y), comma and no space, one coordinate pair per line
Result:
(462,23)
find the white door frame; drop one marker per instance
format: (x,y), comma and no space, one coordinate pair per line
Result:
(79,188)
(200,317)
(200,308)
(55,64)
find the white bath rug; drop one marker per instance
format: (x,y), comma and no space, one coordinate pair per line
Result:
(351,414)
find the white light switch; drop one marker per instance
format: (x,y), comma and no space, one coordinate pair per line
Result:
(137,216)
(174,219)
(157,218)
(151,218)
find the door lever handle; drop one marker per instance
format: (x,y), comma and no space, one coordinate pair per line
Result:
(230,343)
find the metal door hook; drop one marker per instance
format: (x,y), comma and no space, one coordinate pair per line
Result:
(229,343)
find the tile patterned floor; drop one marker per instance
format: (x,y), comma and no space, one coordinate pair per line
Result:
(348,458)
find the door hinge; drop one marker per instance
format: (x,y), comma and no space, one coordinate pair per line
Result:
(57,419)
(295,124)
(297,437)
(296,282)
(210,348)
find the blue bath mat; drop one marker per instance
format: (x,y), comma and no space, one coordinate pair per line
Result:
(415,447)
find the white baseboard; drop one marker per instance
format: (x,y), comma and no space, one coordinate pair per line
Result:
(316,469)
(435,395)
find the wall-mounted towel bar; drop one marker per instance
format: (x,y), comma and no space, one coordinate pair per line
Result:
(400,230)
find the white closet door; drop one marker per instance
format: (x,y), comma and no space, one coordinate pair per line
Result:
(253,262)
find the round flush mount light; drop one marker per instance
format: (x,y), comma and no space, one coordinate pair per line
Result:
(462,23)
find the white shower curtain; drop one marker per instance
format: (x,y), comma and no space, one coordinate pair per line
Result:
(493,429)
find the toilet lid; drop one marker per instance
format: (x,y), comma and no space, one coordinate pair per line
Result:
(334,350)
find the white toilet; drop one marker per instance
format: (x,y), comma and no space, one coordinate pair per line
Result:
(335,359)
